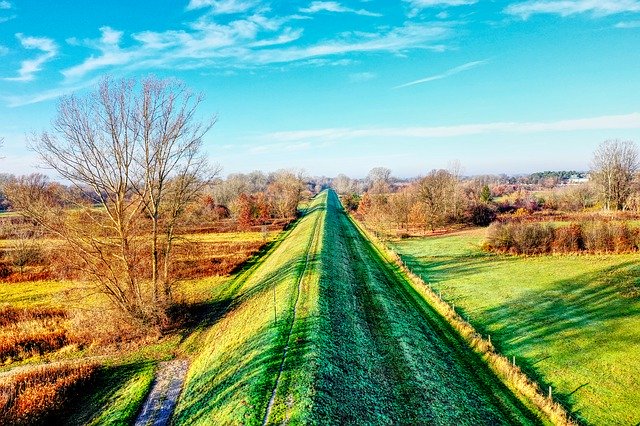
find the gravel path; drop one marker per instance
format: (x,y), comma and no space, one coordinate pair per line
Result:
(166,388)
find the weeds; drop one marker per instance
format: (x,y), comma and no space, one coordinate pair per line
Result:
(37,396)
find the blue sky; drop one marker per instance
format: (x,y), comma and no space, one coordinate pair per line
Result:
(344,86)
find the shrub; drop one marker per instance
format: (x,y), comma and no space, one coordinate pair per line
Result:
(538,238)
(480,214)
(568,239)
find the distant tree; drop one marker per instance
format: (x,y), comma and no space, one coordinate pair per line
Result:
(437,193)
(485,194)
(285,191)
(379,180)
(614,166)
(245,211)
(137,147)
(342,184)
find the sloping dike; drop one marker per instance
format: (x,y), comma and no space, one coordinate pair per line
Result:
(323,330)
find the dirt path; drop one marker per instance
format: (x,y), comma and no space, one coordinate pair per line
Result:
(166,388)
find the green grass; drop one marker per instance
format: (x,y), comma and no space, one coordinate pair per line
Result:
(385,357)
(572,322)
(232,376)
(119,391)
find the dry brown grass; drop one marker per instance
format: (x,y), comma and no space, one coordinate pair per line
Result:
(202,260)
(27,332)
(37,396)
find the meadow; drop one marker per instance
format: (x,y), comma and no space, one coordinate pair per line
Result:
(57,339)
(572,322)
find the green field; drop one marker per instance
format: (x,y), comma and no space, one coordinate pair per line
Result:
(364,348)
(572,322)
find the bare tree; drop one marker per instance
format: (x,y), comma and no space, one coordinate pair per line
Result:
(285,191)
(378,180)
(137,147)
(614,166)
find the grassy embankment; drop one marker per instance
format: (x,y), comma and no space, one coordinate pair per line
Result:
(61,321)
(385,357)
(365,348)
(238,358)
(572,322)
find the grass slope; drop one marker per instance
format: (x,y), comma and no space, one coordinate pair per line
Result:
(384,357)
(233,376)
(570,321)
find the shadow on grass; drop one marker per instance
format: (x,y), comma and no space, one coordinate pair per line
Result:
(435,271)
(102,391)
(567,309)
(250,370)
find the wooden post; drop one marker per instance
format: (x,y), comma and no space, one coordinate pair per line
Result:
(514,360)
(489,337)
(275,308)
(549,392)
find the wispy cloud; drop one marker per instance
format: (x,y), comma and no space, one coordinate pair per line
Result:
(46,95)
(249,42)
(597,8)
(360,77)
(30,67)
(4,5)
(3,50)
(609,122)
(110,54)
(334,6)
(416,6)
(448,73)
(223,7)
(628,24)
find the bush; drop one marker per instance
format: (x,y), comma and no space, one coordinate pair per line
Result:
(568,239)
(538,238)
(480,214)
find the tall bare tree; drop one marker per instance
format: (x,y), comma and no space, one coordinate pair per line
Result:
(614,166)
(137,147)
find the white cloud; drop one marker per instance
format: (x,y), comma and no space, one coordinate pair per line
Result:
(56,92)
(360,77)
(448,73)
(564,8)
(30,67)
(249,42)
(334,6)
(410,36)
(110,54)
(4,5)
(418,5)
(628,24)
(3,50)
(423,4)
(610,122)
(223,7)
(110,36)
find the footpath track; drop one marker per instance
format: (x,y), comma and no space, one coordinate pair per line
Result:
(384,357)
(312,245)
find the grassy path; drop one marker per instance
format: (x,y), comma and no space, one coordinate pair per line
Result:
(384,357)
(263,342)
(326,331)
(313,242)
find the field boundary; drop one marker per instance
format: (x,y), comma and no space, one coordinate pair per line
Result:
(508,373)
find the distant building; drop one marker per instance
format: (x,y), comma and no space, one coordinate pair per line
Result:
(577,179)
